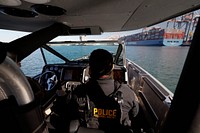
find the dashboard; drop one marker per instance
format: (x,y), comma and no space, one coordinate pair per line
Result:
(66,72)
(70,76)
(80,72)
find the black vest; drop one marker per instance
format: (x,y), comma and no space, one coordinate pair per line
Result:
(98,110)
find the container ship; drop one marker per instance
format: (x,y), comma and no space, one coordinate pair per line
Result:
(178,32)
(156,37)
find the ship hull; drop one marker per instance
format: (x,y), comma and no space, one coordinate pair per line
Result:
(172,42)
(155,37)
(159,42)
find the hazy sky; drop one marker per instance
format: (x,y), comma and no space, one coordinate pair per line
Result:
(8,36)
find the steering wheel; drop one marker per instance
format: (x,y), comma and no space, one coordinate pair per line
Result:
(48,80)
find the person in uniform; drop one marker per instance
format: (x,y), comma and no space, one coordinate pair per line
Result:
(92,103)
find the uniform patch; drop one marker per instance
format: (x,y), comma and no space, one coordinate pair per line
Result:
(105,113)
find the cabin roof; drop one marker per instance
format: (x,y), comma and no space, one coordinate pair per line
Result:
(96,16)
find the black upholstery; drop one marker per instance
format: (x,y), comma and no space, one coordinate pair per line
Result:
(19,112)
(88,130)
(76,128)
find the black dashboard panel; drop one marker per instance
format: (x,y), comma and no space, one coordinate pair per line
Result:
(72,74)
(67,72)
(80,72)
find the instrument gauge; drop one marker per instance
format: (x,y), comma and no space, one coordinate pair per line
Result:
(56,68)
(51,68)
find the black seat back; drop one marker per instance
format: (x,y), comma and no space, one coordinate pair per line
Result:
(19,111)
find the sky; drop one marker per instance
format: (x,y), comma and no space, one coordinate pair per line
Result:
(8,36)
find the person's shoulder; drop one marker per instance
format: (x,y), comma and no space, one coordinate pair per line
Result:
(125,87)
(127,91)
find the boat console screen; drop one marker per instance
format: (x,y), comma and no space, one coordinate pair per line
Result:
(72,74)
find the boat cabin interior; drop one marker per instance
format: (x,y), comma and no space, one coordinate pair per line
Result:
(160,111)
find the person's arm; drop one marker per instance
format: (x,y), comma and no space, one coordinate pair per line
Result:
(130,105)
(135,108)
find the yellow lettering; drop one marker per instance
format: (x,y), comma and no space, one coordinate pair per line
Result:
(104,113)
(114,112)
(110,112)
(100,112)
(95,111)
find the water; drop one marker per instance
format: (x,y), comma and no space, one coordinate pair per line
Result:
(164,63)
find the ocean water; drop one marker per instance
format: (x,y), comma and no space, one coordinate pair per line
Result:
(164,63)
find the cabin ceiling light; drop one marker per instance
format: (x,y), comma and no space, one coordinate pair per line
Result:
(48,10)
(17,12)
(10,2)
(38,1)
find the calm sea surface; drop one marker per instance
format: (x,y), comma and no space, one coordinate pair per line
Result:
(164,63)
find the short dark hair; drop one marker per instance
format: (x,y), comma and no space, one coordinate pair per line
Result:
(101,63)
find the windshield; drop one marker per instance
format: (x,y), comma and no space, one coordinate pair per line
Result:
(66,52)
(74,51)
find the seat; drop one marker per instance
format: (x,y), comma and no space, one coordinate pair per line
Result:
(19,112)
(76,128)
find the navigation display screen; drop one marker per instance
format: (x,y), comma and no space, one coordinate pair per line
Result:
(72,74)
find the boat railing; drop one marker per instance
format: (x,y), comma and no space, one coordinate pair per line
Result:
(153,95)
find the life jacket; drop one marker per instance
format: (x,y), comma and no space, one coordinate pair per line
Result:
(98,110)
